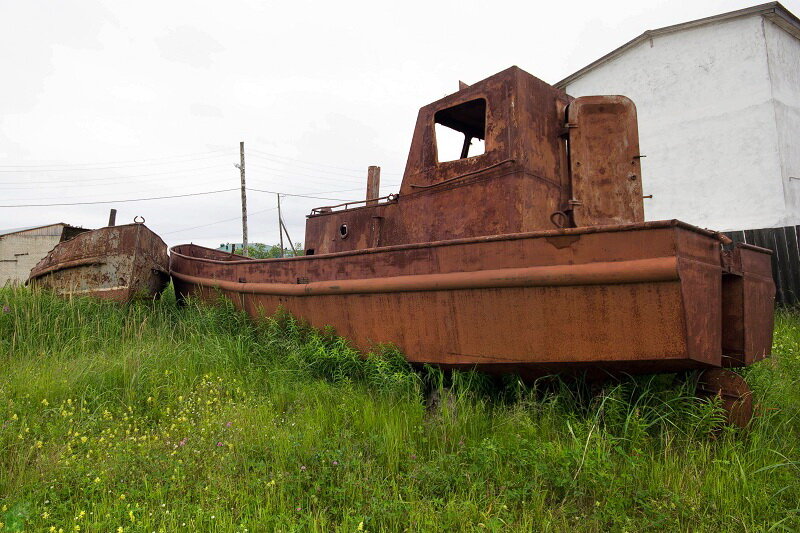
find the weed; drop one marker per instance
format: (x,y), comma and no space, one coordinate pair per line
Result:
(156,417)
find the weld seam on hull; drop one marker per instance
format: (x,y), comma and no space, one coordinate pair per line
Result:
(601,273)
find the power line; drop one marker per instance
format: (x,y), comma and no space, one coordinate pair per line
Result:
(292,172)
(296,195)
(95,186)
(263,153)
(219,221)
(121,189)
(175,196)
(174,160)
(351,190)
(123,201)
(69,167)
(306,167)
(115,178)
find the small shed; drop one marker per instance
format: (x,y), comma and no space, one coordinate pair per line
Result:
(22,248)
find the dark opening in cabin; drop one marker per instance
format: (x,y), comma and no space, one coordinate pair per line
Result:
(461,131)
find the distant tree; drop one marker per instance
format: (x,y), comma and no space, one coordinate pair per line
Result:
(262,251)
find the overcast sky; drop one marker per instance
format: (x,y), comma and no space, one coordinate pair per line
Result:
(120,100)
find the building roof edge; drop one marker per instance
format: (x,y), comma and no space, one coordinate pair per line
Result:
(772,11)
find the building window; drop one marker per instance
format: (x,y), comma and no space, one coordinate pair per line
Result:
(461,131)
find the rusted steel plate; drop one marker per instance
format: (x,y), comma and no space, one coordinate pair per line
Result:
(604,159)
(637,271)
(477,262)
(544,301)
(747,306)
(731,390)
(513,187)
(114,263)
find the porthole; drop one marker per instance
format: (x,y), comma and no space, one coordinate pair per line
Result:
(343,231)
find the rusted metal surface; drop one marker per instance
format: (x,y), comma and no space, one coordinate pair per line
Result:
(373,184)
(514,186)
(732,392)
(115,263)
(478,262)
(604,161)
(747,305)
(556,300)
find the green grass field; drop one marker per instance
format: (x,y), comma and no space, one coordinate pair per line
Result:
(152,417)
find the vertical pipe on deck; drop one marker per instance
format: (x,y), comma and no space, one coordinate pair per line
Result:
(373,184)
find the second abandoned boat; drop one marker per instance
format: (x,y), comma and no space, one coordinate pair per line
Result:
(119,263)
(532,257)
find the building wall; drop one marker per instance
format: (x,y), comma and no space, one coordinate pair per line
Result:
(19,253)
(707,121)
(783,54)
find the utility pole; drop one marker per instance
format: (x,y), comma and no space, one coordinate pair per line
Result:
(244,198)
(291,244)
(280,222)
(112,217)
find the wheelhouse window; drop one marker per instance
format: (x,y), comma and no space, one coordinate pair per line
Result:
(461,131)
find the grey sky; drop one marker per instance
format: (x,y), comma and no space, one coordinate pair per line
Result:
(115,100)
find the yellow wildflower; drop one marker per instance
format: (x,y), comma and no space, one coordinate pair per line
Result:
(45,515)
(120,529)
(39,444)
(45,402)
(84,439)
(14,416)
(122,496)
(130,515)
(52,529)
(97,480)
(361,526)
(80,515)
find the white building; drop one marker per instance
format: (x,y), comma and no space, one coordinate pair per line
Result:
(22,248)
(718,102)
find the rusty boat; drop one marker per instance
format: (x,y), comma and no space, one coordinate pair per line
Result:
(119,263)
(532,257)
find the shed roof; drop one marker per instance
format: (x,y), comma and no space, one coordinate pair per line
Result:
(772,11)
(21,230)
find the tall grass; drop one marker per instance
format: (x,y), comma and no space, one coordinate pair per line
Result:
(155,417)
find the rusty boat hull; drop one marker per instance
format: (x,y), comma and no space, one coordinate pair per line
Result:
(119,263)
(633,298)
(526,251)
